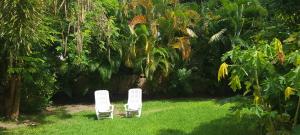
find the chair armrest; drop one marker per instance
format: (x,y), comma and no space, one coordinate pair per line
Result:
(112,107)
(126,106)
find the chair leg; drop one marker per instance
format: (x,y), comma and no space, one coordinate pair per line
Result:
(97,114)
(139,113)
(111,115)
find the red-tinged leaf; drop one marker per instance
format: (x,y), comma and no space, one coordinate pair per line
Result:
(137,20)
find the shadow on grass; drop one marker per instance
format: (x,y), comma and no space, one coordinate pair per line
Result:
(229,125)
(186,99)
(220,101)
(2,130)
(59,113)
(234,99)
(91,116)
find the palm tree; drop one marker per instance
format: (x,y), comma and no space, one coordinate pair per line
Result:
(157,29)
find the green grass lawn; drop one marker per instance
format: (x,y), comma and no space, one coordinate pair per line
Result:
(161,117)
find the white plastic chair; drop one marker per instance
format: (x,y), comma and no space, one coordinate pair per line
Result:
(134,103)
(102,104)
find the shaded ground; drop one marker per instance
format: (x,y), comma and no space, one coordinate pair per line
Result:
(63,111)
(229,125)
(33,120)
(66,111)
(9,125)
(73,108)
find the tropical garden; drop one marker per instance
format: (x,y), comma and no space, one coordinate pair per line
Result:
(206,67)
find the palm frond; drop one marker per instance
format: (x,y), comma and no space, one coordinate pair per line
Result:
(137,20)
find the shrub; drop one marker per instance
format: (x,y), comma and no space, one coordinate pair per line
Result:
(38,86)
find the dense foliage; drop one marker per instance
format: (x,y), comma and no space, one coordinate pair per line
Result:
(78,46)
(266,67)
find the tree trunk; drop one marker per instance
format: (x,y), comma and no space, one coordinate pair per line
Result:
(1,101)
(12,98)
(3,81)
(296,114)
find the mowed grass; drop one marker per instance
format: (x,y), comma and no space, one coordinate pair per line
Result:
(161,117)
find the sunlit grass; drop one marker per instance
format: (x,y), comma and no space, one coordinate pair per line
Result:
(163,117)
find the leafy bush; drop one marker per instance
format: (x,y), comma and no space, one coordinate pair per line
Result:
(39,85)
(266,72)
(180,83)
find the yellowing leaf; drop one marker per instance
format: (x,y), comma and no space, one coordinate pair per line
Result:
(278,45)
(131,29)
(148,58)
(257,94)
(183,44)
(176,45)
(147,4)
(222,71)
(154,30)
(137,20)
(288,92)
(248,85)
(280,57)
(173,1)
(256,99)
(297,62)
(292,38)
(128,62)
(193,15)
(186,52)
(279,50)
(147,48)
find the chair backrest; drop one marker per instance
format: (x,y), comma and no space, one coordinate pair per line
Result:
(134,98)
(102,101)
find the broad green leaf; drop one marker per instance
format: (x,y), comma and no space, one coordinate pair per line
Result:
(235,83)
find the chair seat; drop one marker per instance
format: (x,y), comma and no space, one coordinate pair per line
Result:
(132,110)
(102,104)
(134,107)
(134,103)
(104,111)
